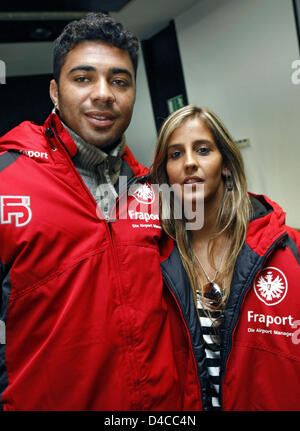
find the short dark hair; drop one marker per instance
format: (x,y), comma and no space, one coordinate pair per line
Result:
(93,27)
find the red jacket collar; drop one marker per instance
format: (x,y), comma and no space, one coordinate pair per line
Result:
(27,136)
(265,229)
(54,122)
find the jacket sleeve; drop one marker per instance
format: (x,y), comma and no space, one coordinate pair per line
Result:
(2,324)
(4,289)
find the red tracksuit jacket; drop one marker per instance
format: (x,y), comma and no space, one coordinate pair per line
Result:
(89,324)
(260,332)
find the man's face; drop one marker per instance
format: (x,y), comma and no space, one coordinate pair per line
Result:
(96,92)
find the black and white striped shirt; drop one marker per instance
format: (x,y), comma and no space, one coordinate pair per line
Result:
(212,351)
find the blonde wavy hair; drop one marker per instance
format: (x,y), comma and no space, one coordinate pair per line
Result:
(235,211)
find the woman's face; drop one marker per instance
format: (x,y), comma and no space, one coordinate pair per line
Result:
(194,158)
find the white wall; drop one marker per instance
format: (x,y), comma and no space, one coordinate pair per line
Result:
(237,61)
(21,59)
(141,134)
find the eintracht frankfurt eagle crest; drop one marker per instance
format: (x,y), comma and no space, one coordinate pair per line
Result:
(270,285)
(143,193)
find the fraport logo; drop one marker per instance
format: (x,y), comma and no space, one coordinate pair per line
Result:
(2,72)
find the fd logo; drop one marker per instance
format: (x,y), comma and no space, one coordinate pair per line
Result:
(15,209)
(270,285)
(143,193)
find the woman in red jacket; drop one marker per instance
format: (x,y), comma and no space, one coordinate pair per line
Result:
(236,270)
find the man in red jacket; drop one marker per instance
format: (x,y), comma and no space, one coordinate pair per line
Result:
(86,323)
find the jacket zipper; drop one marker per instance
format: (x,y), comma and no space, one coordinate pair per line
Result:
(231,330)
(71,164)
(49,133)
(106,222)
